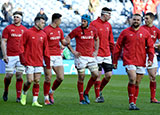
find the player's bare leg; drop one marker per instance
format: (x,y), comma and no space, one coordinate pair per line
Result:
(59,70)
(94,75)
(7,81)
(19,83)
(152,75)
(35,90)
(81,76)
(138,80)
(26,86)
(131,88)
(46,85)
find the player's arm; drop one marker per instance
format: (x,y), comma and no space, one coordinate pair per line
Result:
(150,49)
(111,41)
(117,50)
(4,51)
(66,41)
(75,53)
(46,53)
(96,45)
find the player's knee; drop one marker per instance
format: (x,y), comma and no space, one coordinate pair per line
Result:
(81,77)
(36,81)
(9,75)
(47,78)
(60,79)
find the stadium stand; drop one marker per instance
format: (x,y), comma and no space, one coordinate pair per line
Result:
(72,13)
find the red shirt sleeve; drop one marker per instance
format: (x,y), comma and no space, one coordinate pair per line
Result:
(62,35)
(46,53)
(118,48)
(150,47)
(158,33)
(72,34)
(5,33)
(111,40)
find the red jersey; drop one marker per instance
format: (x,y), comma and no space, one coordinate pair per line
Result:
(84,40)
(54,35)
(134,45)
(154,31)
(35,47)
(13,34)
(106,40)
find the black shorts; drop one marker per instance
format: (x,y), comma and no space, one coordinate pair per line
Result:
(106,67)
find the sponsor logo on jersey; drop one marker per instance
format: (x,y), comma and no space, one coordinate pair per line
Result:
(55,38)
(86,37)
(33,37)
(41,38)
(131,34)
(16,35)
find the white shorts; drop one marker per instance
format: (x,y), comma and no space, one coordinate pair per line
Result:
(107,60)
(55,61)
(139,69)
(84,61)
(155,62)
(14,64)
(32,69)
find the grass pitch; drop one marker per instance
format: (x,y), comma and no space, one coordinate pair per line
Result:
(67,99)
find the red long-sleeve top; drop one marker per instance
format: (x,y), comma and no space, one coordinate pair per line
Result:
(135,46)
(35,46)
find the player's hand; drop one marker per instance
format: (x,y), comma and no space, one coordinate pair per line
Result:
(95,53)
(114,66)
(5,58)
(77,54)
(149,63)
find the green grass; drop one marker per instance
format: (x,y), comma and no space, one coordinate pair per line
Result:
(67,100)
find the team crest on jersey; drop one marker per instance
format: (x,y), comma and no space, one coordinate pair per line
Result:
(91,33)
(22,31)
(33,37)
(59,33)
(41,38)
(107,29)
(140,35)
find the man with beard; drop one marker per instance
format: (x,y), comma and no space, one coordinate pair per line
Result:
(155,34)
(10,45)
(136,42)
(35,46)
(87,44)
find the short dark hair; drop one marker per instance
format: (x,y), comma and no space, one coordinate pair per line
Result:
(56,16)
(38,18)
(18,12)
(152,16)
(137,15)
(105,9)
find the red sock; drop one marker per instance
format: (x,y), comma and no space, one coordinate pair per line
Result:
(19,83)
(35,89)
(89,85)
(46,88)
(136,94)
(103,84)
(55,85)
(6,84)
(26,87)
(97,88)
(153,89)
(80,90)
(131,91)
